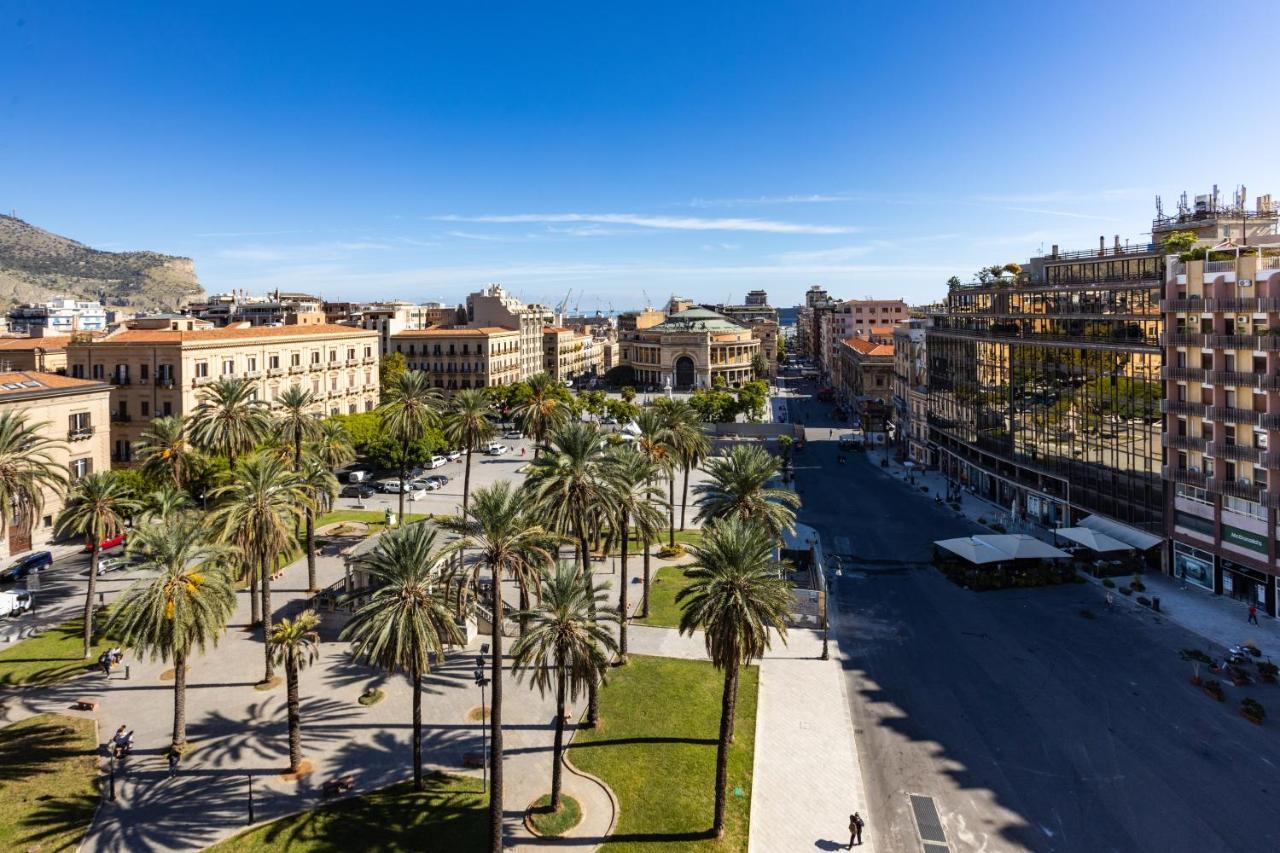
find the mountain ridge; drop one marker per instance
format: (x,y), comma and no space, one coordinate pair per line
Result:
(37,265)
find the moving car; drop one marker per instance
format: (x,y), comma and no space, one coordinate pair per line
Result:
(513,435)
(110,542)
(453,455)
(358,475)
(496,449)
(357,490)
(389,486)
(437,462)
(427,484)
(16,602)
(23,566)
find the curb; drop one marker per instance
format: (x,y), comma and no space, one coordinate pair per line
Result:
(582,774)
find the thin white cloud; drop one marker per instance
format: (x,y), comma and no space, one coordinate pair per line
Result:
(333,250)
(1041,211)
(1069,196)
(237,234)
(812,198)
(839,254)
(666,223)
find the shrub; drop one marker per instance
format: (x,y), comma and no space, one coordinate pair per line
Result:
(668,552)
(1214,689)
(1253,710)
(1108,583)
(1267,671)
(1137,585)
(1143,600)
(372,696)
(1195,655)
(1124,590)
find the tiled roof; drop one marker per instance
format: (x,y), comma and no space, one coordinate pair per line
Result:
(230,333)
(451,332)
(865,347)
(48,342)
(555,329)
(17,382)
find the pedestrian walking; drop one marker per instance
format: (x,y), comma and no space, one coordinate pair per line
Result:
(173,762)
(1253,613)
(1111,601)
(855,829)
(104,662)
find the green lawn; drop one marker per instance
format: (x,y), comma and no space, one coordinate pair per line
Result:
(48,782)
(692,536)
(663,610)
(656,748)
(451,814)
(374,518)
(51,656)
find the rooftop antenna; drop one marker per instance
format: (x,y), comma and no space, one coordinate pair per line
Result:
(1159,208)
(1182,204)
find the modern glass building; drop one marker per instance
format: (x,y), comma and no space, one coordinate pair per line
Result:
(1045,387)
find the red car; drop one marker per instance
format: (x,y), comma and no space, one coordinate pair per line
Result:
(118,539)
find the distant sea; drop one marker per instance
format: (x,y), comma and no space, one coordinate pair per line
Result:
(787,316)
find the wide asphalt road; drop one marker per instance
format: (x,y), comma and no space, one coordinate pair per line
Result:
(1031,726)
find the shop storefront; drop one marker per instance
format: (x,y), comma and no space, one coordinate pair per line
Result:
(1193,566)
(1248,585)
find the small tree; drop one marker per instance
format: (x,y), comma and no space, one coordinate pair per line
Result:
(295,644)
(1179,242)
(389,369)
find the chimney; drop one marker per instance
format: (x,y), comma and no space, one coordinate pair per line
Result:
(1055,250)
(1117,244)
(1102,246)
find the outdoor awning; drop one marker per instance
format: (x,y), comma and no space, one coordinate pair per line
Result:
(996,549)
(1093,539)
(1137,538)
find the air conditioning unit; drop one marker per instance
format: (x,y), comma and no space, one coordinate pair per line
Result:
(1194,469)
(1244,481)
(1245,282)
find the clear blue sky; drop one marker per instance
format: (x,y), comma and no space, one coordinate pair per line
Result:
(698,148)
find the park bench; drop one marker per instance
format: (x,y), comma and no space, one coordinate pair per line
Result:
(340,785)
(86,704)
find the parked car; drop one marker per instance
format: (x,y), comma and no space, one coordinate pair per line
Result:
(497,449)
(112,542)
(513,435)
(107,565)
(358,475)
(357,490)
(428,484)
(389,486)
(23,566)
(437,462)
(15,602)
(453,455)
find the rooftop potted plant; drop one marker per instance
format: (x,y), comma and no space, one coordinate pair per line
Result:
(1252,710)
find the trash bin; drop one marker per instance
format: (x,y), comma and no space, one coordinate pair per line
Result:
(1155,603)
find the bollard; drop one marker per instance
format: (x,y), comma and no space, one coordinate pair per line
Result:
(126,672)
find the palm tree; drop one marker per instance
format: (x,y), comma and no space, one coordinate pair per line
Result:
(332,445)
(296,644)
(467,426)
(165,449)
(689,445)
(179,609)
(165,503)
(736,596)
(229,419)
(497,526)
(572,488)
(294,420)
(738,487)
(406,620)
(256,511)
(28,470)
(565,650)
(411,408)
(321,488)
(654,441)
(96,509)
(543,410)
(635,508)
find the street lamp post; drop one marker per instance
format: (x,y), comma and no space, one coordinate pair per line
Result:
(482,682)
(113,774)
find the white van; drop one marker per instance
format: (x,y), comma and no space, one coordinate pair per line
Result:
(15,602)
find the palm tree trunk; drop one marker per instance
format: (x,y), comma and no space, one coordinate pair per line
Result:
(417,729)
(88,599)
(684,499)
(733,705)
(255,601)
(404,471)
(557,750)
(622,597)
(179,740)
(466,481)
(593,693)
(524,606)
(644,595)
(311,551)
(722,748)
(671,508)
(266,619)
(495,723)
(295,717)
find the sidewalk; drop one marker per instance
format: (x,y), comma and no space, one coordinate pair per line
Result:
(1219,619)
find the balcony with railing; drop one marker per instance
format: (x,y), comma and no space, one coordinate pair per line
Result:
(80,433)
(1185,442)
(120,418)
(1231,414)
(1243,488)
(1190,476)
(119,379)
(1219,266)
(1243,304)
(1239,452)
(1184,374)
(1250,342)
(1195,304)
(1183,407)
(1183,339)
(201,380)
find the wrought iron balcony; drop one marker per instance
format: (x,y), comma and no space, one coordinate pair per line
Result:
(1183,339)
(1246,489)
(1186,475)
(1244,452)
(1192,374)
(1230,414)
(1185,442)
(80,433)
(1183,407)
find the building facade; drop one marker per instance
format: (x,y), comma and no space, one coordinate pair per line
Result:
(909,418)
(59,317)
(43,353)
(457,357)
(690,349)
(866,383)
(1044,389)
(493,307)
(73,415)
(391,318)
(157,367)
(1222,406)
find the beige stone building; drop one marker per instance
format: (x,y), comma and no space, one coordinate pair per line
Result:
(46,354)
(493,307)
(911,390)
(568,355)
(458,357)
(766,332)
(74,414)
(689,349)
(866,382)
(158,365)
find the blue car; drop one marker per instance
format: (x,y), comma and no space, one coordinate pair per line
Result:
(24,566)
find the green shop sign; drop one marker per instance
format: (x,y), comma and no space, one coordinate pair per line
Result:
(1243,538)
